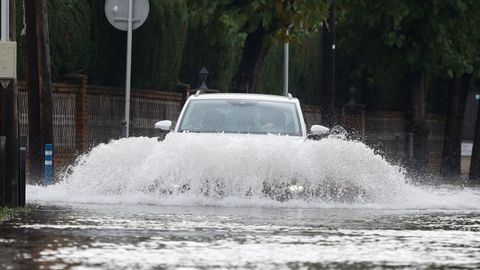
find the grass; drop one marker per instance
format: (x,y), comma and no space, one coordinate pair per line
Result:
(7,213)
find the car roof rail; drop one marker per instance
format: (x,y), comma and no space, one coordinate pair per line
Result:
(205,91)
(289,96)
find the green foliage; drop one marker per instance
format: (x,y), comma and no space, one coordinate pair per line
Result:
(388,39)
(69,26)
(272,15)
(21,46)
(456,43)
(378,43)
(214,47)
(239,19)
(157,47)
(8,212)
(4,213)
(305,68)
(82,40)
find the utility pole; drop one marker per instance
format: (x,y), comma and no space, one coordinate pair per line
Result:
(45,75)
(34,118)
(40,129)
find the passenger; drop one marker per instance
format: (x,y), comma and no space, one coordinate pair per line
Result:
(272,122)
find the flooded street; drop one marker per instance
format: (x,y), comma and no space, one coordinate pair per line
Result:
(186,203)
(93,236)
(233,134)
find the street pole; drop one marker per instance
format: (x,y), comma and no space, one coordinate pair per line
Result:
(39,82)
(129,68)
(44,70)
(286,52)
(35,148)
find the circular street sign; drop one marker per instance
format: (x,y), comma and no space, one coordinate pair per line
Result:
(117,13)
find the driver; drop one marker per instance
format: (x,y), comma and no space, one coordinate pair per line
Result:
(273,121)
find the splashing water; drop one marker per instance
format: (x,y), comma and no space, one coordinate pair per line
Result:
(219,169)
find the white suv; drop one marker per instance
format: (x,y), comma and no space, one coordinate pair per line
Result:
(241,114)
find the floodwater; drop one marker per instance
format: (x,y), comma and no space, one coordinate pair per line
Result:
(190,203)
(95,236)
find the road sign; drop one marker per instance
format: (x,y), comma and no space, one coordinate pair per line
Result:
(117,13)
(127,15)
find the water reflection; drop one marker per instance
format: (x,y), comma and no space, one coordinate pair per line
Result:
(88,236)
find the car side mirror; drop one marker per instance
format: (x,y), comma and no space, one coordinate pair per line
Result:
(319,130)
(164,125)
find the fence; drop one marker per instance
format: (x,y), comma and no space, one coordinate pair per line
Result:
(86,115)
(106,112)
(386,131)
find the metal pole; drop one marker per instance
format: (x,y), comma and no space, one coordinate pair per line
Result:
(129,71)
(5,19)
(285,67)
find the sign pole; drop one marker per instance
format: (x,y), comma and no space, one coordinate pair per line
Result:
(127,15)
(129,68)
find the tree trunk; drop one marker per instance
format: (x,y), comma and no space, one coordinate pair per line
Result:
(253,57)
(328,113)
(475,161)
(416,125)
(458,89)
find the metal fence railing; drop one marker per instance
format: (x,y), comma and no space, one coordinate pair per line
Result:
(106,112)
(63,115)
(93,114)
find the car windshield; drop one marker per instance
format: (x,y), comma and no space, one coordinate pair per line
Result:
(241,116)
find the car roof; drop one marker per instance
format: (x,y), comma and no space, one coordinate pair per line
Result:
(262,97)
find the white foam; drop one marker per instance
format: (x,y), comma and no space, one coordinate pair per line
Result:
(233,170)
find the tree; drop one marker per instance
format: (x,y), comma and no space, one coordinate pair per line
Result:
(416,41)
(258,23)
(458,54)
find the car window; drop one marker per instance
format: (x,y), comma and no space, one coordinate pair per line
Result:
(241,116)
